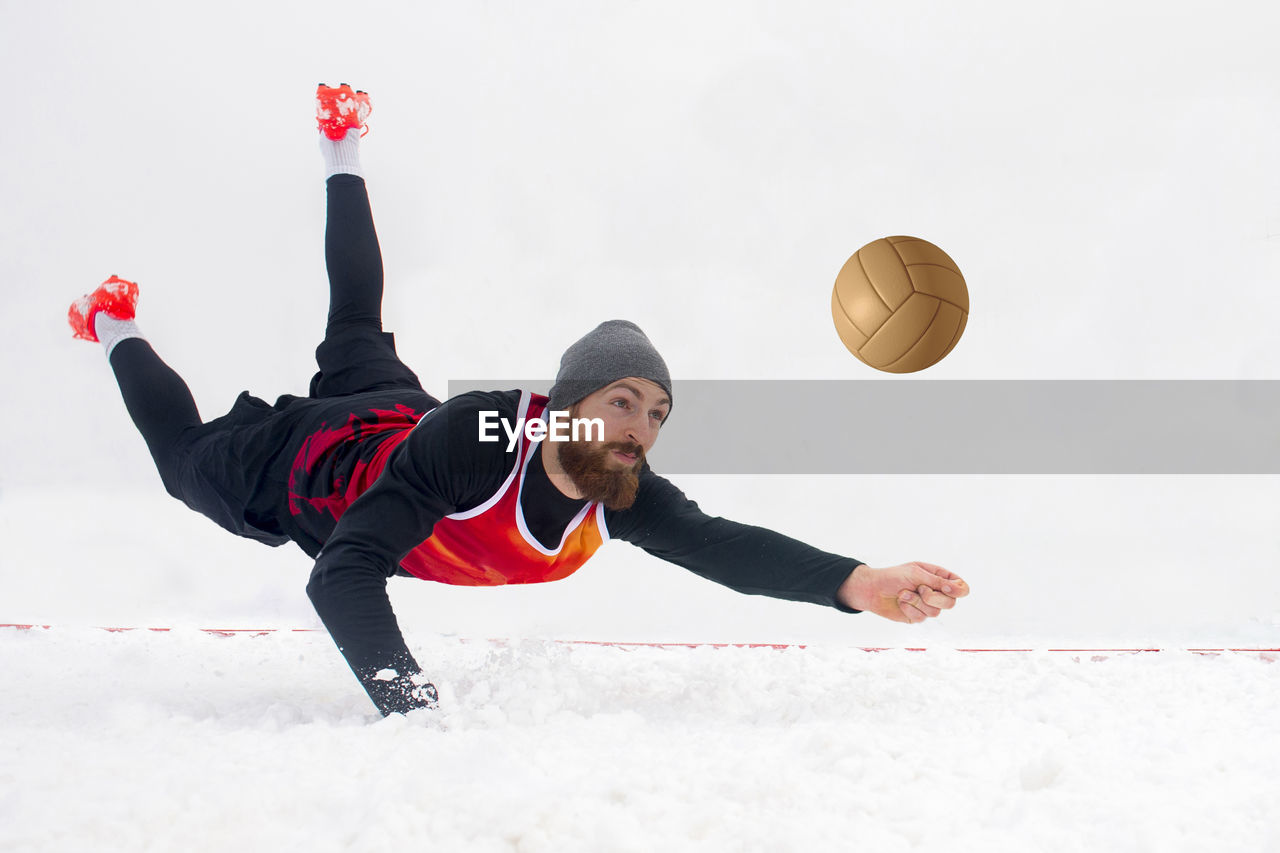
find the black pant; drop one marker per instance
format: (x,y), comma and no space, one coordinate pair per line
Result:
(201,463)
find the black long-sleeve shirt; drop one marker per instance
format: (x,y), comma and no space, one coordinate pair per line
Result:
(442,468)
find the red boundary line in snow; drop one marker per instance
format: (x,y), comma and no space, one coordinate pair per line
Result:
(258,632)
(625,644)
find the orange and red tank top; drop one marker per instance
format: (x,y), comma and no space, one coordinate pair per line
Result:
(491,544)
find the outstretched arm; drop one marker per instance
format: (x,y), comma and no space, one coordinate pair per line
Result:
(761,561)
(911,592)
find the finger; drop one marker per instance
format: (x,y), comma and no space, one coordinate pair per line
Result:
(933,598)
(912,607)
(932,571)
(941,579)
(916,600)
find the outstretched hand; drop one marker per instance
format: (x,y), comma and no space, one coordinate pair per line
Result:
(911,592)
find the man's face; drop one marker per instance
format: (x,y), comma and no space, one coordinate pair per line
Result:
(632,411)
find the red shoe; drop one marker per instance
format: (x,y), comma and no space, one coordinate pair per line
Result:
(119,298)
(338,110)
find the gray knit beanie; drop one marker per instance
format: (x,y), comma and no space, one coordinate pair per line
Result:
(611,351)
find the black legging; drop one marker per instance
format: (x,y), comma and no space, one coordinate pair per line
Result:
(352,257)
(159,401)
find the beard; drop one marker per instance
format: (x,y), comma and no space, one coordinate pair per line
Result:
(598,475)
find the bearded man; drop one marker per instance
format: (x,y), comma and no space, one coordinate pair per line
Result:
(373,477)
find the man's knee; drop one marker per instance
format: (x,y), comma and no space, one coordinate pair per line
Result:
(169,457)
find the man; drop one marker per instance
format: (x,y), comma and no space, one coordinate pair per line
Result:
(372,476)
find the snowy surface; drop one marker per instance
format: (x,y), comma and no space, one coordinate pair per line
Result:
(183,739)
(1105,175)
(187,741)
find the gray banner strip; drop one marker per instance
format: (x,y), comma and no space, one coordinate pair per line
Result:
(923,427)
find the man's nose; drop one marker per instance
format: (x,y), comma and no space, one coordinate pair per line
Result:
(640,431)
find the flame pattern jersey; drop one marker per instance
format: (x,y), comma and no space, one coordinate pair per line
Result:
(335,465)
(484,545)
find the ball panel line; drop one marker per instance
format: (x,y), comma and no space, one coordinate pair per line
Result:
(859,299)
(900,333)
(884,270)
(924,252)
(955,339)
(937,338)
(850,336)
(942,282)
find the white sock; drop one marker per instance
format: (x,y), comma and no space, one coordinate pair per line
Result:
(342,156)
(111,331)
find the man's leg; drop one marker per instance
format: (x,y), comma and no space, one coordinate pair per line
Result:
(352,257)
(351,252)
(356,354)
(158,400)
(201,464)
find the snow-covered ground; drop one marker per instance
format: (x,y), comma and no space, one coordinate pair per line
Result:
(185,741)
(188,740)
(1105,175)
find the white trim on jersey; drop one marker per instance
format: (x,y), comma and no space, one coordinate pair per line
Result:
(600,523)
(525,399)
(520,522)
